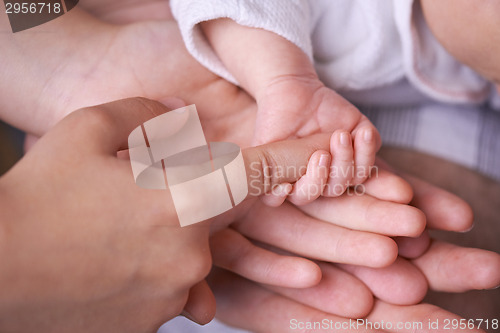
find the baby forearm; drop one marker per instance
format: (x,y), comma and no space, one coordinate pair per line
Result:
(255,57)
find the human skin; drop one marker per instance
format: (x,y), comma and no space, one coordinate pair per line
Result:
(219,120)
(463,270)
(223,117)
(291,100)
(74,259)
(472,187)
(88,262)
(476,46)
(241,303)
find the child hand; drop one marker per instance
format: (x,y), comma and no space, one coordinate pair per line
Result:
(292,101)
(301,106)
(323,176)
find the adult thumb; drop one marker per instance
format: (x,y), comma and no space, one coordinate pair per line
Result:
(106,127)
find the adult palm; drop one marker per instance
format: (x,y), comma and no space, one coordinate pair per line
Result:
(84,59)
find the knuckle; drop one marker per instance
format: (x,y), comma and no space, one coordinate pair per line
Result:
(198,266)
(94,117)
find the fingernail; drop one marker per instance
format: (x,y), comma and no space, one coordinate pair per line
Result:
(344,139)
(186,314)
(173,103)
(368,135)
(324,160)
(469,229)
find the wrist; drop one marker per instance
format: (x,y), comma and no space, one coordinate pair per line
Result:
(256,57)
(285,83)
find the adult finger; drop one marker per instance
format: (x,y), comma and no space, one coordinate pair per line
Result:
(444,210)
(400,283)
(415,318)
(280,162)
(289,229)
(385,185)
(337,293)
(246,305)
(452,268)
(232,251)
(108,126)
(366,213)
(200,306)
(413,247)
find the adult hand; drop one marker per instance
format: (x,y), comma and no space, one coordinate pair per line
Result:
(134,59)
(228,119)
(247,305)
(83,247)
(446,267)
(316,238)
(80,60)
(128,250)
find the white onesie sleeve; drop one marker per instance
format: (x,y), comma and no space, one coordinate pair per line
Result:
(287,18)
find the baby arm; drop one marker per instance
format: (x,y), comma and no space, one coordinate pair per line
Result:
(256,57)
(291,99)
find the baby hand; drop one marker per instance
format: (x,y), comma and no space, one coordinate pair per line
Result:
(300,106)
(323,176)
(292,101)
